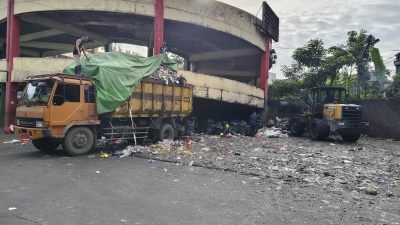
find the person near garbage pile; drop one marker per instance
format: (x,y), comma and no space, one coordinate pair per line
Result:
(253,121)
(78,50)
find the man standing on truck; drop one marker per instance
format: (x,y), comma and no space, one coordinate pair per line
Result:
(78,49)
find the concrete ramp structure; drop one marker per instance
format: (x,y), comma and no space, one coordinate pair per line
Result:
(226,50)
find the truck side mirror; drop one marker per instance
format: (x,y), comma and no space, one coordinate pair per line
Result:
(58,100)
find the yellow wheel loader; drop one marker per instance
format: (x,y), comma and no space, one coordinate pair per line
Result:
(326,114)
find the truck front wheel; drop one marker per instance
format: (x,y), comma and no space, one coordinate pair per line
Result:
(79,141)
(46,144)
(166,132)
(319,129)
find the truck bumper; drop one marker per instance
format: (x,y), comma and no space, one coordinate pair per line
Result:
(344,128)
(32,133)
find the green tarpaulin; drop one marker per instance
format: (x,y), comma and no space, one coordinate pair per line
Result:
(116,74)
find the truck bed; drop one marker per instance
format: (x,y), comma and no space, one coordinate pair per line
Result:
(153,98)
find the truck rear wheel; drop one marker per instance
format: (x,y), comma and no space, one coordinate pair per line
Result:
(166,132)
(79,141)
(319,129)
(351,137)
(46,144)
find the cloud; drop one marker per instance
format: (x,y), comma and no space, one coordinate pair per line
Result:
(330,20)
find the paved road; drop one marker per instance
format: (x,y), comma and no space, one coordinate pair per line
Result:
(57,189)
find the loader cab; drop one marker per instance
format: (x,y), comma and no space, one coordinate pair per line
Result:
(326,95)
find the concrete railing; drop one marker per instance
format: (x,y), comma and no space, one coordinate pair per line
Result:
(205,86)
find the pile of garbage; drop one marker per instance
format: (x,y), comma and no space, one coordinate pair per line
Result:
(175,149)
(272,132)
(215,127)
(168,76)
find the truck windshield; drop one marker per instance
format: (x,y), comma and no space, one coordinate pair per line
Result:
(37,92)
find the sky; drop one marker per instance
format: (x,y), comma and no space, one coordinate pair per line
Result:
(330,20)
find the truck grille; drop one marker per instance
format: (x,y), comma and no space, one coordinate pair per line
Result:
(352,115)
(28,122)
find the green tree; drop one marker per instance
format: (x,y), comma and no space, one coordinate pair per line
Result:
(394,87)
(316,65)
(358,47)
(285,89)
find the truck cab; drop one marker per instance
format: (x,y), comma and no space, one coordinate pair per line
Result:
(52,105)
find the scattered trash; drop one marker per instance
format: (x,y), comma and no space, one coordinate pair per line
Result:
(370,191)
(272,132)
(14,141)
(98,172)
(151,161)
(104,155)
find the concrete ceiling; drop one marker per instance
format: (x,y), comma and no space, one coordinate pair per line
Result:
(212,52)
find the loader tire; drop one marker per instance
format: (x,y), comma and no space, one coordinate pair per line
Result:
(318,129)
(79,141)
(297,129)
(167,132)
(46,144)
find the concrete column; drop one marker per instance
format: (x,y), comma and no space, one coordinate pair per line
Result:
(108,47)
(13,34)
(186,65)
(397,63)
(158,26)
(264,67)
(2,102)
(3,51)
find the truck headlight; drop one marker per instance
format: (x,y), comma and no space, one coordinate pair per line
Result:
(39,124)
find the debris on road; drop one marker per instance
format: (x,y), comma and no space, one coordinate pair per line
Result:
(12,209)
(14,141)
(370,191)
(332,166)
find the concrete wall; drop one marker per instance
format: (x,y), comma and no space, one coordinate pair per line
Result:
(211,87)
(206,13)
(3,69)
(3,9)
(383,116)
(24,67)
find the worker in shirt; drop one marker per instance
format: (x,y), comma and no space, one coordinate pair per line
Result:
(78,50)
(253,122)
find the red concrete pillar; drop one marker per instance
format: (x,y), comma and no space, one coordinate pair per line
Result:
(12,50)
(264,70)
(158,26)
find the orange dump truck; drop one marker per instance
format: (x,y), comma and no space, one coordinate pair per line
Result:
(60,109)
